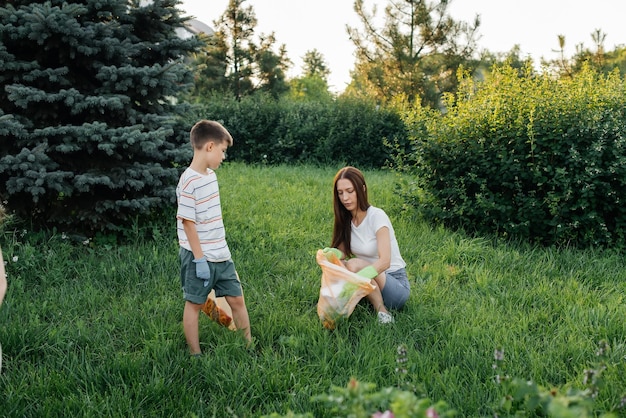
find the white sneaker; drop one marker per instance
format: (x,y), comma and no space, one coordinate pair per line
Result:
(385,318)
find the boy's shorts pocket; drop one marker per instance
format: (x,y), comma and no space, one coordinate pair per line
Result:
(195,290)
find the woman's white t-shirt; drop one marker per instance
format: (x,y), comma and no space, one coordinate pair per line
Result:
(363,240)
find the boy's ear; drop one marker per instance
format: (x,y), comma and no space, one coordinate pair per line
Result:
(209,146)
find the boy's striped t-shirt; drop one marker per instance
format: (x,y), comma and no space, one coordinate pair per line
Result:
(198,198)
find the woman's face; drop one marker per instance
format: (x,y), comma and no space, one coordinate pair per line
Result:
(347,194)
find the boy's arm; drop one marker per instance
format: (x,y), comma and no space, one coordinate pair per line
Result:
(192,238)
(202,265)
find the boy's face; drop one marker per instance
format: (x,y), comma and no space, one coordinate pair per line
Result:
(215,154)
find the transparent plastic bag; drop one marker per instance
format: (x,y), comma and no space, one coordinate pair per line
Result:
(219,311)
(340,291)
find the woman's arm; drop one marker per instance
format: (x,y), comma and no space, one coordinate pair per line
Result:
(359,265)
(383,240)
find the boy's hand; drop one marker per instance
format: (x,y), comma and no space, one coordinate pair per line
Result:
(202,268)
(368,272)
(327,251)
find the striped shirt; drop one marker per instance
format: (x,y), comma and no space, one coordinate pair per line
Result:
(198,198)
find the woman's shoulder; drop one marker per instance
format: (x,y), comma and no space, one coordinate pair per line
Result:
(376,213)
(375,210)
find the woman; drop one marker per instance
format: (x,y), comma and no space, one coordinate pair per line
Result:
(364,238)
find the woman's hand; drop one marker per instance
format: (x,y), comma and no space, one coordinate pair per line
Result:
(334,251)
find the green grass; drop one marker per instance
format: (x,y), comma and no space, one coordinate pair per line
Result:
(95,330)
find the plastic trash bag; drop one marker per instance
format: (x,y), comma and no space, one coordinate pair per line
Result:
(218,310)
(341,290)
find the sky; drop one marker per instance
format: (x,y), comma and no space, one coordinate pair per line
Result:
(534,25)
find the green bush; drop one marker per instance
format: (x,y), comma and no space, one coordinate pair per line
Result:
(269,131)
(523,156)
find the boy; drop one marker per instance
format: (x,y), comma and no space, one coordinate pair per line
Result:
(204,254)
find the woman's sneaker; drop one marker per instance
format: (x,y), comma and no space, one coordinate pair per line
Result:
(385,318)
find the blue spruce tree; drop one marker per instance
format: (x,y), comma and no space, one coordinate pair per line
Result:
(91,133)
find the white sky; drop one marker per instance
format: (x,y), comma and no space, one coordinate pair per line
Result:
(304,25)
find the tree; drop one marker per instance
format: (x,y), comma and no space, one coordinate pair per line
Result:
(488,60)
(235,62)
(414,54)
(311,88)
(91,133)
(313,85)
(616,59)
(210,66)
(271,67)
(315,64)
(236,28)
(598,58)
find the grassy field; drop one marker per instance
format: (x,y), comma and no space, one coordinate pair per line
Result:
(95,329)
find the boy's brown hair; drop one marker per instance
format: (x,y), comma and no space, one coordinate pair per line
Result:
(208,130)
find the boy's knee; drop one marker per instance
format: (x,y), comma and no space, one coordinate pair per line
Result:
(192,306)
(235,302)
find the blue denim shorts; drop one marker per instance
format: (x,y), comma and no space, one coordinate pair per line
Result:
(223,279)
(397,289)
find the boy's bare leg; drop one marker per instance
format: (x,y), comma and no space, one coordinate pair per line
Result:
(190,326)
(240,315)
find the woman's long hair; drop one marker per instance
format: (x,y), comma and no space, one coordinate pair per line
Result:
(343,217)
